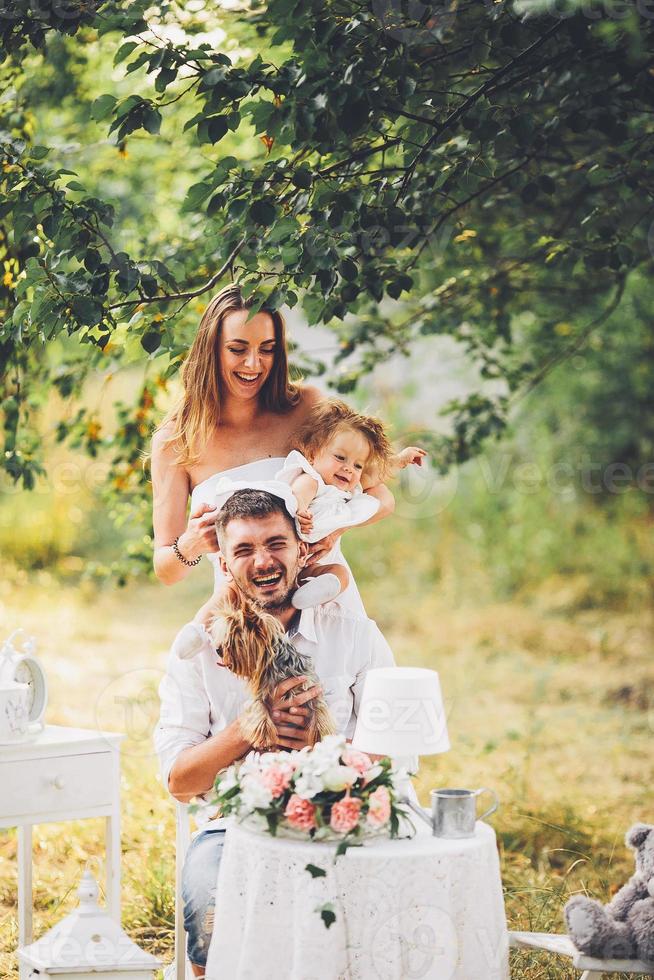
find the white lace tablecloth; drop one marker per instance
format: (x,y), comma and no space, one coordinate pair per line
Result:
(423,908)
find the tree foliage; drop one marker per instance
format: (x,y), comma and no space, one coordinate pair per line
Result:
(476,169)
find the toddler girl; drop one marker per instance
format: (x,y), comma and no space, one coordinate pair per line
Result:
(340,454)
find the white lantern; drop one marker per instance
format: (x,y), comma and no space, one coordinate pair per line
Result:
(86,945)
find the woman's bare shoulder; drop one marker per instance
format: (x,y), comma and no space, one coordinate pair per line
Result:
(162,446)
(309,397)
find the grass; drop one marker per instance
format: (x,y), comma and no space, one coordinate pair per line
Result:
(537,709)
(542,641)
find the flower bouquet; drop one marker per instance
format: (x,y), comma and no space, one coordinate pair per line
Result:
(325,792)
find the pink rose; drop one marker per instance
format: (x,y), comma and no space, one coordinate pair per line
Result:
(379,807)
(357,760)
(300,813)
(345,814)
(276,779)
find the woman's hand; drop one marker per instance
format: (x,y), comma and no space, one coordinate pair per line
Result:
(321,548)
(305,520)
(199,538)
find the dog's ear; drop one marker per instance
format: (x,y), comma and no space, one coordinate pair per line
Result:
(637,835)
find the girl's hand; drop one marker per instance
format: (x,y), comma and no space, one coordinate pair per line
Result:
(199,538)
(305,520)
(412,454)
(321,548)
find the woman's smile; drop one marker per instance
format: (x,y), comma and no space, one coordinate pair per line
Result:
(247,378)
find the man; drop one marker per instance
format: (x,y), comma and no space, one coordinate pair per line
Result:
(199,734)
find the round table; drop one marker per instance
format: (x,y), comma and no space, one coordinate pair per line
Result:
(421,908)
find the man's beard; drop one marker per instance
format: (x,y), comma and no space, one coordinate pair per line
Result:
(275,603)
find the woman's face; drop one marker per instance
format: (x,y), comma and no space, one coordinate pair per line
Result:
(247,352)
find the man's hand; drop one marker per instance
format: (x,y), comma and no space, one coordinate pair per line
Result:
(289,714)
(321,548)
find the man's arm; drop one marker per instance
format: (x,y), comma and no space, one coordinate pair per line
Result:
(196,767)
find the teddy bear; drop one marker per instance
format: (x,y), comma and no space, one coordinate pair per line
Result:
(623,929)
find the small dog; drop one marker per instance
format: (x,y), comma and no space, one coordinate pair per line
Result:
(253,645)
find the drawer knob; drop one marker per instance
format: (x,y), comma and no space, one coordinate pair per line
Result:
(58,782)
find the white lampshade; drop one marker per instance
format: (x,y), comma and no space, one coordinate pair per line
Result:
(401,713)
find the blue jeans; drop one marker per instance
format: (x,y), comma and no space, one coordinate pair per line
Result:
(199,877)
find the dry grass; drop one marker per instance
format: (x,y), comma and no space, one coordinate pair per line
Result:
(553,709)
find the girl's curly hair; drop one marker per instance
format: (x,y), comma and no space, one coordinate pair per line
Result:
(331,415)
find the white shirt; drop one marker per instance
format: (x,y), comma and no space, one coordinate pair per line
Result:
(199,697)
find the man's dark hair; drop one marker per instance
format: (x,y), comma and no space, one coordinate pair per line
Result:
(250,503)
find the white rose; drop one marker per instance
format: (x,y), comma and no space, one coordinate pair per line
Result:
(373,772)
(326,754)
(307,784)
(254,793)
(337,778)
(228,780)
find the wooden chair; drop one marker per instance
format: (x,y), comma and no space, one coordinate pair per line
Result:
(593,969)
(180,968)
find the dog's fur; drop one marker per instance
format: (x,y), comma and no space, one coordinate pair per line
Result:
(253,645)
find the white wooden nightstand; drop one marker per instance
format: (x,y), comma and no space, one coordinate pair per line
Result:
(62,774)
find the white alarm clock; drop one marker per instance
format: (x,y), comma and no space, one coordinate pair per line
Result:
(20,665)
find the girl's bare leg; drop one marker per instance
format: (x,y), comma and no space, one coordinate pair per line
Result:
(320,583)
(206,612)
(194,637)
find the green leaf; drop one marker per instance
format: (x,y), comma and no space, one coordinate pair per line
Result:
(327,914)
(124,51)
(164,78)
(348,269)
(152,120)
(213,129)
(151,340)
(315,871)
(195,195)
(216,204)
(345,845)
(102,106)
(302,178)
(263,212)
(284,228)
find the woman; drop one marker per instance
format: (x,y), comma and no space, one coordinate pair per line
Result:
(237,417)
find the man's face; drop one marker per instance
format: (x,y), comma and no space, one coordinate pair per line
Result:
(263,557)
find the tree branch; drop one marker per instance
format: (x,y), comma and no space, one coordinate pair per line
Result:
(190,293)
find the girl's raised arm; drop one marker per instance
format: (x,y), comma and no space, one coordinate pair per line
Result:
(170,492)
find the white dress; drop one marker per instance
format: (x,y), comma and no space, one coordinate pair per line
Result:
(259,472)
(331,508)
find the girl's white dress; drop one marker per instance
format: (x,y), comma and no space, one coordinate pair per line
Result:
(331,508)
(262,474)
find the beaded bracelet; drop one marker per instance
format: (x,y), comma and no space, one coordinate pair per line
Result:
(185,561)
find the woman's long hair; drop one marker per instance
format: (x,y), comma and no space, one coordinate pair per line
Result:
(197,412)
